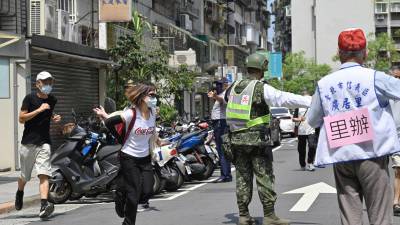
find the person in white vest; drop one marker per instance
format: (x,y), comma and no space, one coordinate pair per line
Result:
(357,132)
(395,106)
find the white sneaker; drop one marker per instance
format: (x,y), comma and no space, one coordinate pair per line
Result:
(310,167)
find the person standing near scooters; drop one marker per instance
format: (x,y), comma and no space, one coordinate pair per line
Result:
(218,117)
(36,114)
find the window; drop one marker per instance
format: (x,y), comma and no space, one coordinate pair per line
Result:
(4,78)
(279,111)
(63,5)
(72,11)
(69,6)
(395,7)
(381,7)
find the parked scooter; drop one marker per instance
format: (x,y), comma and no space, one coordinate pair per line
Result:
(168,168)
(201,159)
(85,165)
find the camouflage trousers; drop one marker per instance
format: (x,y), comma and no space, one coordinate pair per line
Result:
(249,162)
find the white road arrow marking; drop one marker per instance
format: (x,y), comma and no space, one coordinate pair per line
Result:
(310,194)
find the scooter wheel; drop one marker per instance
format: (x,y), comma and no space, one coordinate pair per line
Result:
(59,193)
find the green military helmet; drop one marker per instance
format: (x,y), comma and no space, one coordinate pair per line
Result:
(257,61)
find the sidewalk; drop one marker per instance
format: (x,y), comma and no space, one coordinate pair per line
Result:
(8,187)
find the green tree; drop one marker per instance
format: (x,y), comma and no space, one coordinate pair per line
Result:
(382,52)
(300,73)
(140,58)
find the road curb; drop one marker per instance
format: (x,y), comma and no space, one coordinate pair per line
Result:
(8,207)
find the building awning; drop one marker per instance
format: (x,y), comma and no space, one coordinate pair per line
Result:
(187,33)
(68,47)
(7,39)
(77,57)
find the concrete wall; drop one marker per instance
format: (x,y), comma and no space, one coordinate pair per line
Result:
(335,16)
(302,31)
(6,131)
(11,130)
(331,17)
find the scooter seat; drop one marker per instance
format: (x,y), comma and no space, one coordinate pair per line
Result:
(187,136)
(107,150)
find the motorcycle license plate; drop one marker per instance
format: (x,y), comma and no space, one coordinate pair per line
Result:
(208,149)
(183,157)
(189,171)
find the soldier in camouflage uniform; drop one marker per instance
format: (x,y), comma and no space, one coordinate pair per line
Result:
(246,144)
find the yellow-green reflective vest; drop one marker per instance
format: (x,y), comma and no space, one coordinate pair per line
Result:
(239,109)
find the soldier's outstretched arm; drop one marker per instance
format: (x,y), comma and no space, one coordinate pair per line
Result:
(274,97)
(315,115)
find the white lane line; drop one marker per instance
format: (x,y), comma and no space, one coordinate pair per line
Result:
(293,140)
(187,190)
(184,192)
(276,148)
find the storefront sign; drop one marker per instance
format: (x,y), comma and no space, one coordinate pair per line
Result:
(115,10)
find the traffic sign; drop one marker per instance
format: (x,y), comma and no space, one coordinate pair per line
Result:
(275,64)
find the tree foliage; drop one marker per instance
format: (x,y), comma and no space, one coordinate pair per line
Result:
(300,73)
(382,52)
(142,59)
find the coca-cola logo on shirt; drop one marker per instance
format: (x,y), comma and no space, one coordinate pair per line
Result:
(144,131)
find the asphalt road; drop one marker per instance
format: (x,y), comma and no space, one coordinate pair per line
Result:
(206,203)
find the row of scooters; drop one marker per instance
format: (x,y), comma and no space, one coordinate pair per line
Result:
(191,155)
(87,163)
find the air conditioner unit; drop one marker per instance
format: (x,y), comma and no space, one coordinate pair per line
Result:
(380,17)
(36,17)
(63,25)
(186,22)
(243,41)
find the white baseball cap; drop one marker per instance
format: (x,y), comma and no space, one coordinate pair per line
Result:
(44,75)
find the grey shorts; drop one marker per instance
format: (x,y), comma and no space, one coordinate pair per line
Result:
(396,161)
(34,156)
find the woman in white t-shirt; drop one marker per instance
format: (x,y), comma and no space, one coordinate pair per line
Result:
(136,168)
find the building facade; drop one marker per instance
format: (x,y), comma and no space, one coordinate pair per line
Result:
(61,37)
(65,38)
(387,19)
(282,40)
(315,25)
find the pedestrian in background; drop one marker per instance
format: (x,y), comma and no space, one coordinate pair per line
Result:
(139,141)
(395,106)
(306,137)
(36,113)
(218,117)
(360,168)
(248,118)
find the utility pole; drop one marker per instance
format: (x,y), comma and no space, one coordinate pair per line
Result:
(92,26)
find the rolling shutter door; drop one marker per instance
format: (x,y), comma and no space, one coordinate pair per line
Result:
(76,87)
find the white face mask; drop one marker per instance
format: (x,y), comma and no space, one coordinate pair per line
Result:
(46,89)
(152,102)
